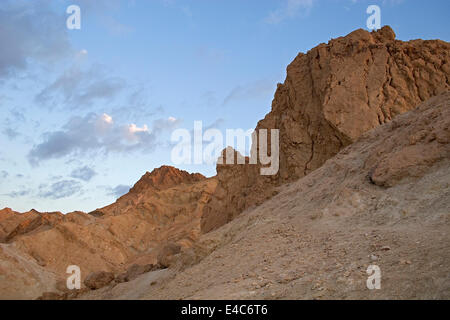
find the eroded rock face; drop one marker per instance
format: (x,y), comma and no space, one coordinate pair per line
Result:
(331,96)
(13,224)
(415,147)
(36,221)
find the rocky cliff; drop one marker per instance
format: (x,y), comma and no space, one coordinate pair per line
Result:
(331,96)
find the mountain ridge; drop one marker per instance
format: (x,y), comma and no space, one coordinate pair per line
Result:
(340,103)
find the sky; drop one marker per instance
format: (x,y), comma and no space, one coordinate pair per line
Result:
(84,113)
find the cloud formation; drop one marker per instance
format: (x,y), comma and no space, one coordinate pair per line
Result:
(97,134)
(18,194)
(30,31)
(84,173)
(10,133)
(15,118)
(60,189)
(78,88)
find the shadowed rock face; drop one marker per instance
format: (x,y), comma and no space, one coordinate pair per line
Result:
(163,206)
(331,96)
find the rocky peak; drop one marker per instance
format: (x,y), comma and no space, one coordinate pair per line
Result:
(6,213)
(331,96)
(164,177)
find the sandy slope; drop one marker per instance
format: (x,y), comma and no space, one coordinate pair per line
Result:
(317,237)
(21,277)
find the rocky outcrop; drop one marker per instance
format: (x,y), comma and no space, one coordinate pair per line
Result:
(331,96)
(166,254)
(13,224)
(159,179)
(98,279)
(163,178)
(6,213)
(36,221)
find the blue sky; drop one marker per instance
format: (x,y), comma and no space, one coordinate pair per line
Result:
(85,113)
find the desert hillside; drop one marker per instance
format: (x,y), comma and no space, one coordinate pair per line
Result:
(163,207)
(364,179)
(384,200)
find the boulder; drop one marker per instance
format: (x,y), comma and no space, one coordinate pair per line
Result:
(166,254)
(98,279)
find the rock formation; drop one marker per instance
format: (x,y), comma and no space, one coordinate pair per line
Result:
(98,279)
(331,96)
(163,206)
(383,200)
(360,167)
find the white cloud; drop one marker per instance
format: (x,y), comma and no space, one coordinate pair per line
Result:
(81,55)
(95,133)
(133,132)
(132,128)
(107,118)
